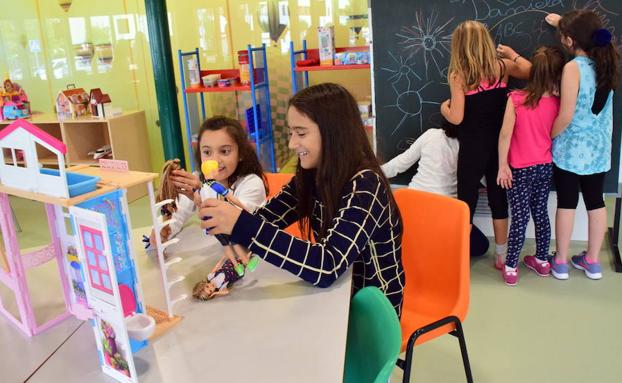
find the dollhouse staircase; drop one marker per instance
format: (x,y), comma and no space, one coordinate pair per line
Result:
(166,264)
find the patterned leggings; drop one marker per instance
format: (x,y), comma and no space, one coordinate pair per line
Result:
(529,192)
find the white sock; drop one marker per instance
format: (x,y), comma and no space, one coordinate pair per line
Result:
(508,268)
(502,250)
(540,261)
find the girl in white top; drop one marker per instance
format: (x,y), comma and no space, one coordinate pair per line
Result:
(437,153)
(224,140)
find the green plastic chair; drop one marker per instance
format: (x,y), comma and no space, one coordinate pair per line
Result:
(374,338)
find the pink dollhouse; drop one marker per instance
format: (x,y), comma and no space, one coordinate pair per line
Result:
(89,229)
(19,167)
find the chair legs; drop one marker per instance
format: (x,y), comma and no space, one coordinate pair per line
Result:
(406,365)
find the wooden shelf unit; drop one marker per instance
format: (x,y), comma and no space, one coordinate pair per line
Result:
(125,133)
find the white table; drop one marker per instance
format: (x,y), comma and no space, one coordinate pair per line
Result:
(272,327)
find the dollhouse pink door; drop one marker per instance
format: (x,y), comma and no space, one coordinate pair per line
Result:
(93,245)
(98,271)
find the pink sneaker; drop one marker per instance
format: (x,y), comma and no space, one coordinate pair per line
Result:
(499,262)
(542,269)
(510,277)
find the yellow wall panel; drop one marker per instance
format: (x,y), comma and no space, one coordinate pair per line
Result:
(105,44)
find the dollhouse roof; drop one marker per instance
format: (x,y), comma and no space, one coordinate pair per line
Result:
(71,93)
(99,96)
(38,133)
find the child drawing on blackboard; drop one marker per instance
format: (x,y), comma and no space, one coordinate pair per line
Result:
(582,135)
(436,150)
(477,76)
(525,168)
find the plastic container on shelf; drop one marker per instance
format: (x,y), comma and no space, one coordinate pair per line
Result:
(245,74)
(211,80)
(193,73)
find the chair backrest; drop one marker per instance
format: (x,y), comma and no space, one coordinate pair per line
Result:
(374,338)
(435,253)
(276,181)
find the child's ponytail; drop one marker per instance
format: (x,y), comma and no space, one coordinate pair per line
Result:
(606,59)
(586,30)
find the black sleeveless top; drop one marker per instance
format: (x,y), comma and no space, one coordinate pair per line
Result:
(483,113)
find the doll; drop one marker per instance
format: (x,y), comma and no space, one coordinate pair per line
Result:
(233,252)
(218,282)
(166,191)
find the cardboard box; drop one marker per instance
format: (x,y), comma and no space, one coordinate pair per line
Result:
(326,41)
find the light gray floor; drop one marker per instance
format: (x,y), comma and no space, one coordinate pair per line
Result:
(542,330)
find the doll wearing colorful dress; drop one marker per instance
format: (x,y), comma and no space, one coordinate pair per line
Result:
(218,282)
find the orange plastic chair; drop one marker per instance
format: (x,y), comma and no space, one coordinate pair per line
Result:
(435,254)
(276,181)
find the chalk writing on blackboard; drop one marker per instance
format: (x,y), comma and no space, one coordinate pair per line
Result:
(428,37)
(409,90)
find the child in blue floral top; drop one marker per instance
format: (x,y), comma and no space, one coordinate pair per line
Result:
(582,135)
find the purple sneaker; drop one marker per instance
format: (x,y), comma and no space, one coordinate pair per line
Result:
(592,270)
(543,269)
(558,270)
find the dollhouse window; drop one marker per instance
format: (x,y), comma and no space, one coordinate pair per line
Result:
(14,157)
(98,271)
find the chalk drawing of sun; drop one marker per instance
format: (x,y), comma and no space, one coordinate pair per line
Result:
(410,91)
(428,38)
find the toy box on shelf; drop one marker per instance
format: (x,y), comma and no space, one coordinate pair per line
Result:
(89,225)
(72,103)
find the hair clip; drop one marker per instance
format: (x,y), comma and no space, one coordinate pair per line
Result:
(601,37)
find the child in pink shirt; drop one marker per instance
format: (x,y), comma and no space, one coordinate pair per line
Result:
(525,161)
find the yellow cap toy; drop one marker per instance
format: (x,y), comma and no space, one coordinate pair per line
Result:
(208,168)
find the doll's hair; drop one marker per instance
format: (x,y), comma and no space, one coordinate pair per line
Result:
(200,291)
(167,189)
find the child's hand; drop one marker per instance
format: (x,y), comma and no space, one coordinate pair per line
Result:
(152,240)
(506,52)
(185,182)
(218,217)
(445,107)
(553,19)
(504,177)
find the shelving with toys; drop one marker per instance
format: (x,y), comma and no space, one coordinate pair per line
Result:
(329,58)
(123,136)
(250,78)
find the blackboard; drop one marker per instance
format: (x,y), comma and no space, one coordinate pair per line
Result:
(411,50)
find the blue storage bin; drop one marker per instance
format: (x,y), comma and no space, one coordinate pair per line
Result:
(77,183)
